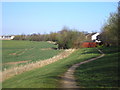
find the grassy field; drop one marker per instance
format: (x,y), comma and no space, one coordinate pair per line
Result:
(14,51)
(100,73)
(49,76)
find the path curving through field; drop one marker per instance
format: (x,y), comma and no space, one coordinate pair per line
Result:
(68,79)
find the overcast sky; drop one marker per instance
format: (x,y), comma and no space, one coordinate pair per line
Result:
(46,17)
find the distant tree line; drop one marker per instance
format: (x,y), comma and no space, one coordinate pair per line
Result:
(66,38)
(69,38)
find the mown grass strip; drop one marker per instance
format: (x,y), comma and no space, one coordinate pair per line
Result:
(101,73)
(49,76)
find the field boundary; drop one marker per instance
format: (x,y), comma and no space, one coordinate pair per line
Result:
(23,68)
(68,79)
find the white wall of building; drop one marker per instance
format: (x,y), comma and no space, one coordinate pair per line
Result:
(6,37)
(94,37)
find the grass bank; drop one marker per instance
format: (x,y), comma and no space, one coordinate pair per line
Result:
(49,76)
(101,73)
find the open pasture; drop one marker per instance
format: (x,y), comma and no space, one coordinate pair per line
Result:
(101,73)
(21,52)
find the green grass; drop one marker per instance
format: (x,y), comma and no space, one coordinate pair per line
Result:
(49,76)
(26,50)
(101,73)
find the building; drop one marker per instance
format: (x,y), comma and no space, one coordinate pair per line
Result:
(93,40)
(6,37)
(89,44)
(95,37)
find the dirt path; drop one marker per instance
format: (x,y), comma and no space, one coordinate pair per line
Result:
(68,79)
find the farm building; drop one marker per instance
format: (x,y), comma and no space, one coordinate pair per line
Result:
(89,44)
(93,40)
(6,37)
(95,37)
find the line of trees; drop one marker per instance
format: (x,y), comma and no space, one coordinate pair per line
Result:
(110,31)
(66,38)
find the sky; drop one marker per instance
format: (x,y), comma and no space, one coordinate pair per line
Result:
(45,17)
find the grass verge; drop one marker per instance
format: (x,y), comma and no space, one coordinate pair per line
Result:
(101,73)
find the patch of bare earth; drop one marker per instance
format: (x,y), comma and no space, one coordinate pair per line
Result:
(46,49)
(20,52)
(51,42)
(68,79)
(23,68)
(17,62)
(12,54)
